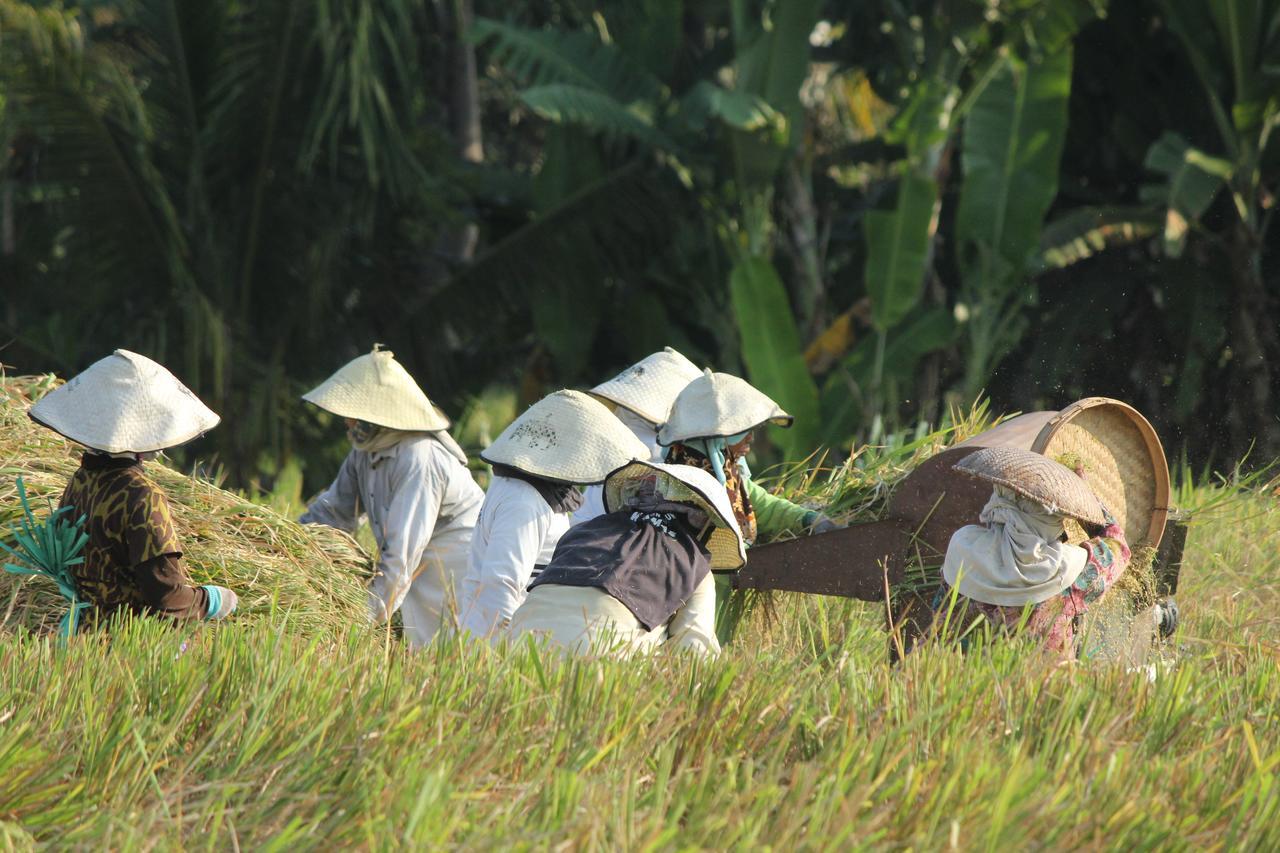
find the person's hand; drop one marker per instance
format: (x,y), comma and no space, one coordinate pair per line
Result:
(1167,617)
(222,602)
(822,524)
(377,609)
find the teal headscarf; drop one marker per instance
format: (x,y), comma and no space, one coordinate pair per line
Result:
(715,449)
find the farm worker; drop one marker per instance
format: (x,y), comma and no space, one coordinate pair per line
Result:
(639,576)
(408,475)
(1016,564)
(564,440)
(710,427)
(123,410)
(640,397)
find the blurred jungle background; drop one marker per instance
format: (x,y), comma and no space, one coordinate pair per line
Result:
(872,210)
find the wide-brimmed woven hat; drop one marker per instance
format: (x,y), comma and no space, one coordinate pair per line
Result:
(1049,483)
(125,403)
(377,389)
(716,405)
(684,484)
(649,386)
(568,437)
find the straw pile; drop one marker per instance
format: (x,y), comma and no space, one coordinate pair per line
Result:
(316,575)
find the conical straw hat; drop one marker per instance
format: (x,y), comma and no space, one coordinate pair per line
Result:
(375,388)
(1037,477)
(716,405)
(125,403)
(685,484)
(568,437)
(650,386)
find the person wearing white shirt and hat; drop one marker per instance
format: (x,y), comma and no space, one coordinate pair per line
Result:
(125,409)
(639,576)
(410,477)
(640,397)
(565,440)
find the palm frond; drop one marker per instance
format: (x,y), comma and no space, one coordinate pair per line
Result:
(566,103)
(87,106)
(606,229)
(366,56)
(578,58)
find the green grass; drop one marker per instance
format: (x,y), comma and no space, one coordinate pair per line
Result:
(288,730)
(798,737)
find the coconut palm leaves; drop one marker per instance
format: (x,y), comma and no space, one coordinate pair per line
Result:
(219,163)
(49,549)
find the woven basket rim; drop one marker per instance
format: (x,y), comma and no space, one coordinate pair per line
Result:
(1155,450)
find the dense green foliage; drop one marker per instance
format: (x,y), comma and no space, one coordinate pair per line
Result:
(870,209)
(800,738)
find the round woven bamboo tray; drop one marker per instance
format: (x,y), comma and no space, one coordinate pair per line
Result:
(1123,460)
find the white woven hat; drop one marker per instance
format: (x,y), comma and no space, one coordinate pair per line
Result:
(684,484)
(649,386)
(568,437)
(377,389)
(717,405)
(125,403)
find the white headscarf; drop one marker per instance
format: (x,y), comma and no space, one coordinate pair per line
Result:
(372,438)
(1015,556)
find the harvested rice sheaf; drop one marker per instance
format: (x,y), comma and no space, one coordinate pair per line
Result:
(315,575)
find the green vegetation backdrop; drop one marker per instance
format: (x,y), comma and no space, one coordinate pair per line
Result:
(870,209)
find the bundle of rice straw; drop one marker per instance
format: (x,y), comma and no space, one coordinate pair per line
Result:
(316,575)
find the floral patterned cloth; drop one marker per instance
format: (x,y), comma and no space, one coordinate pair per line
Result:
(1055,619)
(735,484)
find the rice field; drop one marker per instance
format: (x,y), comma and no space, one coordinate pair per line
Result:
(264,733)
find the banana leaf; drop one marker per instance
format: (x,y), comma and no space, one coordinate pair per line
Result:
(772,352)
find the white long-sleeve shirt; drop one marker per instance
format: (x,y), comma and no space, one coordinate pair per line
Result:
(593,496)
(412,491)
(517,530)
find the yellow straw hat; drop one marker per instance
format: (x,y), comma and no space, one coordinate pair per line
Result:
(649,386)
(684,484)
(375,388)
(717,405)
(568,437)
(125,403)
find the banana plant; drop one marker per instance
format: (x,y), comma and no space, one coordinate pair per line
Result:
(1232,46)
(1011,148)
(970,70)
(577,79)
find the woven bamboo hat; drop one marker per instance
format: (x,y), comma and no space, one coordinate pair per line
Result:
(568,437)
(649,386)
(683,484)
(125,403)
(1037,477)
(377,389)
(717,405)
